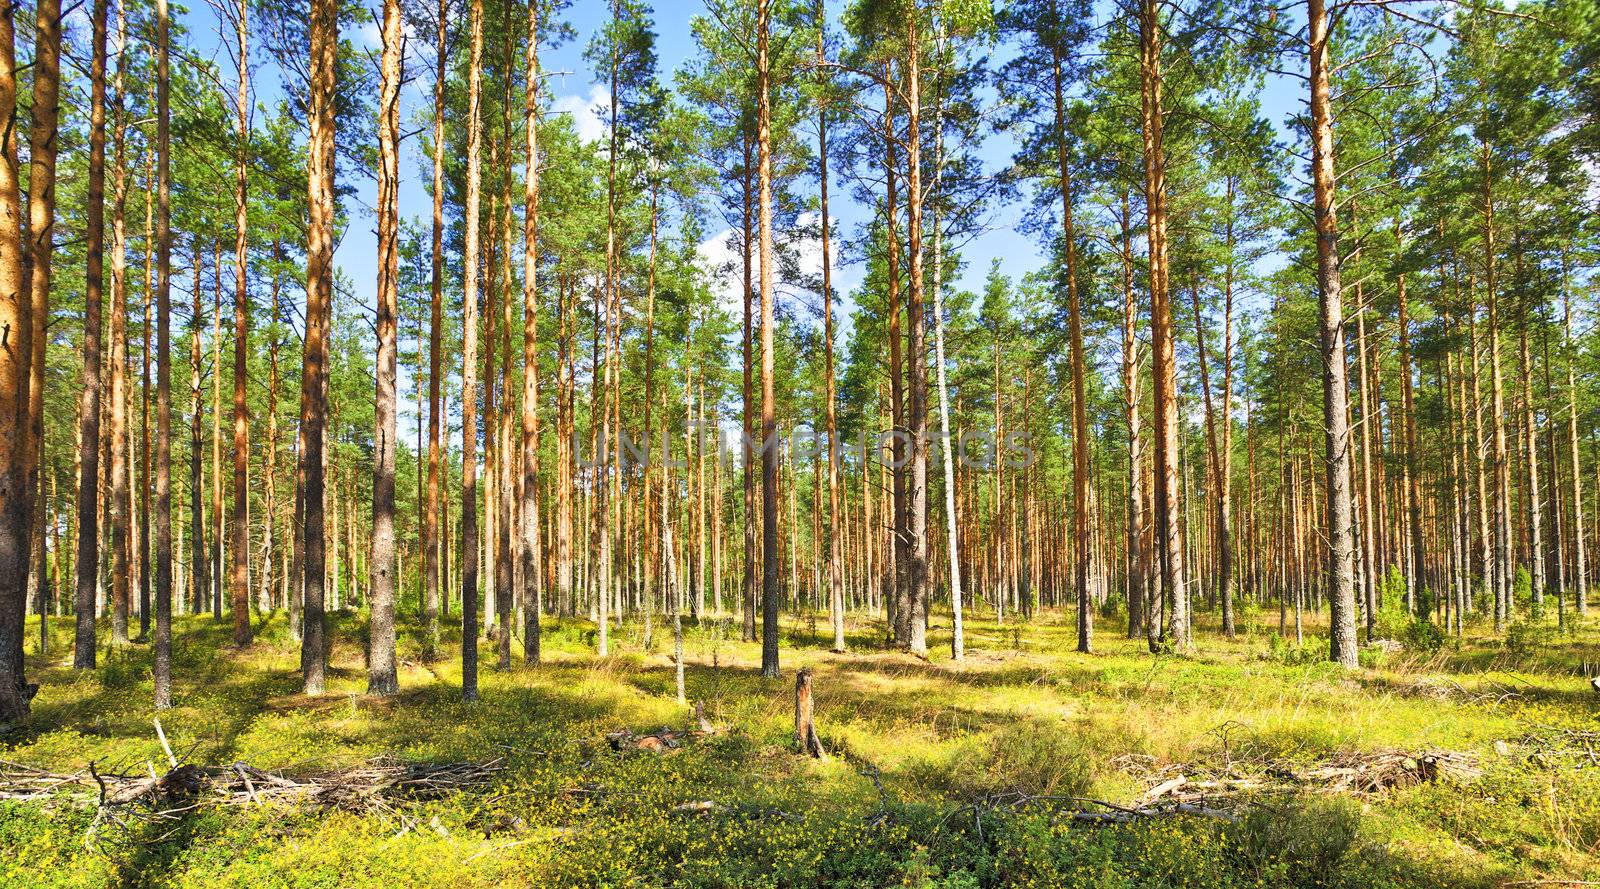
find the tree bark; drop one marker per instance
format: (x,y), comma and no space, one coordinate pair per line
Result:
(1080,417)
(1168,532)
(16,354)
(947,452)
(917,419)
(430,520)
(121,501)
(1580,545)
(88,561)
(163,470)
(469,369)
(381,676)
(1139,605)
(239,577)
(531,544)
(1335,391)
(324,15)
(770,594)
(42,151)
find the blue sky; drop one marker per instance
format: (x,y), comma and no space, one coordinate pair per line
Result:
(576,93)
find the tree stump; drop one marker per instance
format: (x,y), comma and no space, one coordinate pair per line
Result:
(805,726)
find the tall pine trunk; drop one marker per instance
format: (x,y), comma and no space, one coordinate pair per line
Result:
(324,15)
(88,562)
(121,455)
(770,594)
(469,369)
(1335,390)
(15,357)
(163,455)
(1166,506)
(381,677)
(239,569)
(532,547)
(1080,417)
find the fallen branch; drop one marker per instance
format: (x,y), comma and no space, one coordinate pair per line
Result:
(362,788)
(1356,773)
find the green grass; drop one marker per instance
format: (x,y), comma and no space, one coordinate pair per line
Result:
(1023,713)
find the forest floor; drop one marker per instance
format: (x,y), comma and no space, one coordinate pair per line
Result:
(941,774)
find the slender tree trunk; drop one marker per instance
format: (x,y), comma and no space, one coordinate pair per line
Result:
(88,561)
(1168,533)
(239,577)
(1580,544)
(218,519)
(1369,428)
(324,16)
(1080,416)
(436,370)
(381,676)
(199,566)
(1335,391)
(1533,504)
(163,251)
(899,598)
(1413,467)
(531,544)
(1140,606)
(121,501)
(917,492)
(42,151)
(146,562)
(16,354)
(770,594)
(836,571)
(952,537)
(469,360)
(269,468)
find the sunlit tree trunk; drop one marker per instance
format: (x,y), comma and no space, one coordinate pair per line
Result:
(1080,416)
(1168,533)
(146,483)
(1533,502)
(239,577)
(1580,544)
(88,561)
(917,418)
(163,456)
(43,146)
(1412,476)
(324,22)
(381,677)
(469,361)
(430,519)
(121,501)
(899,597)
(769,422)
(199,566)
(16,354)
(1139,604)
(947,451)
(1503,570)
(269,469)
(531,544)
(218,517)
(1335,390)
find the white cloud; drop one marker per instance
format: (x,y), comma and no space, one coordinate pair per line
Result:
(721,257)
(586,112)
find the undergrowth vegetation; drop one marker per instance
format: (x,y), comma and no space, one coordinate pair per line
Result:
(942,774)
